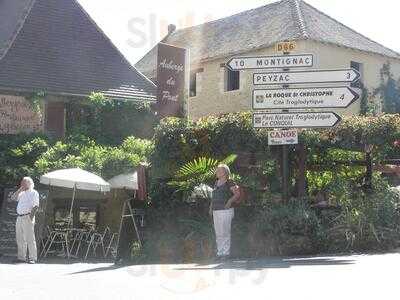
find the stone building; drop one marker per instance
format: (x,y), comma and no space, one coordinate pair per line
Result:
(214,89)
(53,48)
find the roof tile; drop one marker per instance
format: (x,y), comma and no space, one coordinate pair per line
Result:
(60,49)
(259,28)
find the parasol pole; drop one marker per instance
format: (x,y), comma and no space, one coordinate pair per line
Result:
(72,206)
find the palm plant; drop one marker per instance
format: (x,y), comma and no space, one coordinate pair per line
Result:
(191,178)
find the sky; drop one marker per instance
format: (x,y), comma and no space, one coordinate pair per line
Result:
(136,26)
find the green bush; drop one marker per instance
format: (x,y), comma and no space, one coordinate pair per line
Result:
(105,161)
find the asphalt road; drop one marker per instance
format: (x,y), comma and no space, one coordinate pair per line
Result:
(341,277)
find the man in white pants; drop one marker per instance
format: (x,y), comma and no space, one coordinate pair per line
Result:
(28,204)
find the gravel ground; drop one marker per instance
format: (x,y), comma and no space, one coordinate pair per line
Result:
(339,277)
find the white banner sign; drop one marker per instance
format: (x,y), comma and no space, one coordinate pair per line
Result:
(304,98)
(305,77)
(295,120)
(271,62)
(283,137)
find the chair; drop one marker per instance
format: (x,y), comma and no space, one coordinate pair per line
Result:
(112,246)
(45,239)
(59,237)
(96,240)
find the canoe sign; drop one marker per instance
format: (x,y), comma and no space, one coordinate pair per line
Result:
(283,137)
(296,120)
(306,77)
(304,98)
(271,62)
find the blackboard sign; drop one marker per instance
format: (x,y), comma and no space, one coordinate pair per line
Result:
(9,217)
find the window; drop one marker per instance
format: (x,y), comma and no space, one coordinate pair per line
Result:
(61,215)
(195,82)
(88,217)
(232,79)
(84,214)
(358,67)
(193,85)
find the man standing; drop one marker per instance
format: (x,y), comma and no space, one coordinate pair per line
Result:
(28,204)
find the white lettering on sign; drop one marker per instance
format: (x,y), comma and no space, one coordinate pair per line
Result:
(283,137)
(17,116)
(170,65)
(166,96)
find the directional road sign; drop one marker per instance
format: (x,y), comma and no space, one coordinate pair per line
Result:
(304,98)
(296,120)
(270,62)
(306,77)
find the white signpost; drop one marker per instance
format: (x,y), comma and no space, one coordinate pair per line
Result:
(296,120)
(306,77)
(304,98)
(271,62)
(283,137)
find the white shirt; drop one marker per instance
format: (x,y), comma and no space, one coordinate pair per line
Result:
(26,201)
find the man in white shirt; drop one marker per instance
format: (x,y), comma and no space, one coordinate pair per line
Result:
(28,204)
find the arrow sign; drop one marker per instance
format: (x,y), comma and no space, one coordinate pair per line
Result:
(270,62)
(304,98)
(302,77)
(295,120)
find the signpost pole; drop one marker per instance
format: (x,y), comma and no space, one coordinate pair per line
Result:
(285,173)
(285,161)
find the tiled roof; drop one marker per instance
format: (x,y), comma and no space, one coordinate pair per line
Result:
(53,45)
(263,27)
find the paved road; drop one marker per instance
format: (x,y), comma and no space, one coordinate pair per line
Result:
(343,277)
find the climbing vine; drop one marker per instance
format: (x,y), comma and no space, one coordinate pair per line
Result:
(36,101)
(389,90)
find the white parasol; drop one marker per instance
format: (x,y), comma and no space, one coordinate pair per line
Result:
(76,179)
(125,181)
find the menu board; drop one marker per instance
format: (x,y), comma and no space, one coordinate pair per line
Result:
(17,115)
(8,218)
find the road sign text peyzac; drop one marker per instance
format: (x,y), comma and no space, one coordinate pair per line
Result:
(304,77)
(304,98)
(271,62)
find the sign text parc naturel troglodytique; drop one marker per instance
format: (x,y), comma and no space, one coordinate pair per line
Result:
(296,120)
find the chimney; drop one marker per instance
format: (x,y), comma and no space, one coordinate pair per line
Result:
(171,28)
